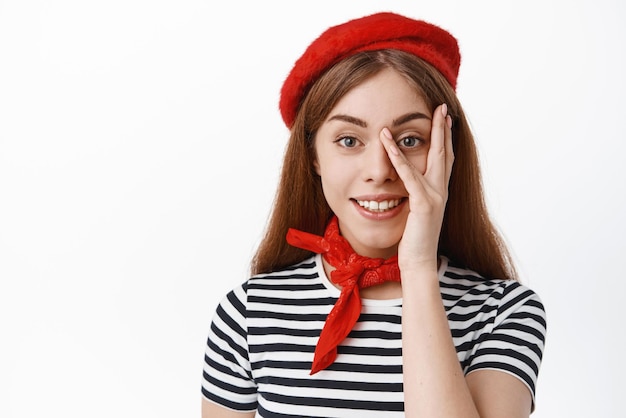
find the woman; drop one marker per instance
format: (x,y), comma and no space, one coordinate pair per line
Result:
(381,287)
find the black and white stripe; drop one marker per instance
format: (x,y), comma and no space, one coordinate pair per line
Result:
(263,336)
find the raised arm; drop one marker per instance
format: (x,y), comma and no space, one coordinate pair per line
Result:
(434,383)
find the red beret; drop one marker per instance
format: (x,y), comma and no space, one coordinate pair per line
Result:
(378,31)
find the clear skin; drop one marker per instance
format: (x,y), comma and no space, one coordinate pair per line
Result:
(369,149)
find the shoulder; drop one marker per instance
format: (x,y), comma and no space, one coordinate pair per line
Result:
(293,287)
(304,275)
(486,305)
(294,277)
(265,293)
(496,324)
(304,269)
(460,282)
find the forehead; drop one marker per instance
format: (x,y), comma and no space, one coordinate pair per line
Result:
(386,91)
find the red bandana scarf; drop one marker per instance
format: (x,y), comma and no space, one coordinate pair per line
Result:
(352,272)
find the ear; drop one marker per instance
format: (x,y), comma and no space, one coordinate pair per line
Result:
(316,166)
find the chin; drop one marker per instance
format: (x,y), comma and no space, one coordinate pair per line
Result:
(378,248)
(374,239)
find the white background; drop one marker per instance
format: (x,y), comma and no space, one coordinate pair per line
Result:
(140,143)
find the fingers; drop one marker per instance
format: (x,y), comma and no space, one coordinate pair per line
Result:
(407,172)
(387,140)
(449,149)
(440,154)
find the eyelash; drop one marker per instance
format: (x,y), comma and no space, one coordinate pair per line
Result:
(341,141)
(418,141)
(400,142)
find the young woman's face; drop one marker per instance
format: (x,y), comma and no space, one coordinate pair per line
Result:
(359,182)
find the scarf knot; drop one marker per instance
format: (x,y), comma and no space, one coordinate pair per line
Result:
(352,272)
(347,274)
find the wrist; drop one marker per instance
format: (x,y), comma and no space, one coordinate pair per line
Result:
(420,280)
(416,267)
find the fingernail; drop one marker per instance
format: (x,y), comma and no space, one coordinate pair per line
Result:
(444,110)
(393,148)
(449,121)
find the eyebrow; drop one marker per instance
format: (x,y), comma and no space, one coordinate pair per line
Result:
(409,117)
(349,119)
(396,122)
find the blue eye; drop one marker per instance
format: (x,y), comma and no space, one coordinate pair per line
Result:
(347,141)
(409,142)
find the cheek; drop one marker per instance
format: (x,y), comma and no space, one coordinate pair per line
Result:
(336,181)
(326,164)
(419,162)
(332,176)
(421,166)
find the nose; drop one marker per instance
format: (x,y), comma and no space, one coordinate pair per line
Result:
(377,167)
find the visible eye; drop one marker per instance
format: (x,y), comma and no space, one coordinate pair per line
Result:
(410,142)
(347,142)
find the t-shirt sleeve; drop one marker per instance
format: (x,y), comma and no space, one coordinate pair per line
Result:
(227,377)
(516,342)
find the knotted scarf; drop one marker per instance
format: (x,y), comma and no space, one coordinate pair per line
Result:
(352,272)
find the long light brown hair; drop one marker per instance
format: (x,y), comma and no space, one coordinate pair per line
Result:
(467,237)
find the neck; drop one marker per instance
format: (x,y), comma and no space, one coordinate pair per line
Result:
(383,291)
(387,290)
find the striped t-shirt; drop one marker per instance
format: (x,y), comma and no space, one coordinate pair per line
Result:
(263,336)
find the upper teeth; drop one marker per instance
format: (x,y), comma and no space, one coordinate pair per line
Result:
(382,205)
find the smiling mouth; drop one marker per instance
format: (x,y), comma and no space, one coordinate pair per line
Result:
(379,206)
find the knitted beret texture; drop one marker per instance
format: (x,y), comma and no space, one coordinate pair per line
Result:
(374,32)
